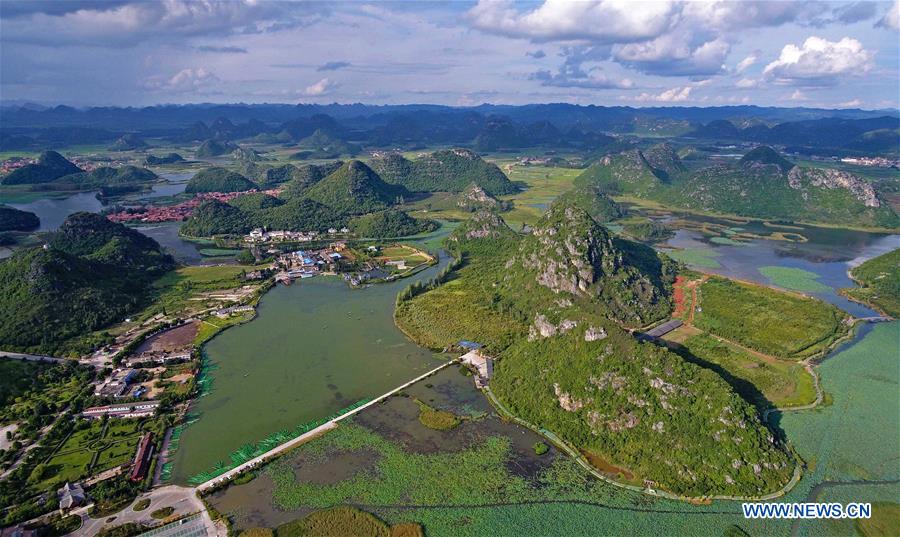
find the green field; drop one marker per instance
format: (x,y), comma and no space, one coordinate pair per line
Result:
(696,257)
(763,381)
(92,447)
(175,290)
(794,278)
(542,186)
(769,321)
(879,283)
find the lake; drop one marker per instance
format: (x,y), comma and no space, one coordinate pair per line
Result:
(314,347)
(53,211)
(828,253)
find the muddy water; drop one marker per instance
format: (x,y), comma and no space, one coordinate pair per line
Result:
(251,504)
(314,348)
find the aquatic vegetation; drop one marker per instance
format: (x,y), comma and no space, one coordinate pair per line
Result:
(794,278)
(250,451)
(345,521)
(725,241)
(439,420)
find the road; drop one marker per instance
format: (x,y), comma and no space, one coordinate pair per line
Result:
(32,357)
(184,500)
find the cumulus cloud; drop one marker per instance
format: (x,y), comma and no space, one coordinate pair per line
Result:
(819,62)
(673,95)
(184,81)
(891,19)
(131,23)
(855,12)
(728,15)
(322,87)
(798,96)
(332,66)
(671,55)
(601,21)
(537,54)
(746,83)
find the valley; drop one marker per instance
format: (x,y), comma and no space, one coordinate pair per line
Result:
(260,285)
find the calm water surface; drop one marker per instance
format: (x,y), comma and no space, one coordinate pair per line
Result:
(313,348)
(829,253)
(53,211)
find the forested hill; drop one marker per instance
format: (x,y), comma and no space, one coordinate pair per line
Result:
(49,167)
(451,170)
(91,273)
(12,219)
(550,307)
(762,184)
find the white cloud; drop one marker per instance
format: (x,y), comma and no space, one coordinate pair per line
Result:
(184,81)
(322,87)
(798,96)
(600,21)
(855,103)
(744,64)
(820,62)
(891,19)
(128,24)
(747,83)
(725,15)
(674,95)
(672,55)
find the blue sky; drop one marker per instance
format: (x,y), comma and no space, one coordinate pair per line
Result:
(699,53)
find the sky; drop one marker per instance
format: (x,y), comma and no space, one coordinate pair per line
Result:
(604,52)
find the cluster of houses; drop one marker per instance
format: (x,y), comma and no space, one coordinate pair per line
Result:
(259,235)
(139,409)
(118,384)
(481,363)
(308,263)
(159,357)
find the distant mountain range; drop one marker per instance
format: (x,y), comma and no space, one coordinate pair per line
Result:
(762,184)
(484,128)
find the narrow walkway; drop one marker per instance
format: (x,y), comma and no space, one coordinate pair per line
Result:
(256,461)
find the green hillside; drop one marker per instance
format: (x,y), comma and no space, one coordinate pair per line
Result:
(214,148)
(218,180)
(49,167)
(128,142)
(879,283)
(593,201)
(169,158)
(93,272)
(322,145)
(15,220)
(105,176)
(389,223)
(451,170)
(762,184)
(354,188)
(550,308)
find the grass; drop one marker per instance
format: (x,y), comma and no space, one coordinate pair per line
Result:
(884,522)
(333,522)
(439,420)
(540,448)
(762,381)
(141,504)
(696,257)
(767,320)
(163,513)
(794,278)
(218,252)
(879,283)
(175,289)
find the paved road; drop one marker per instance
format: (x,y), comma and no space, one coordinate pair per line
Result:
(31,357)
(183,499)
